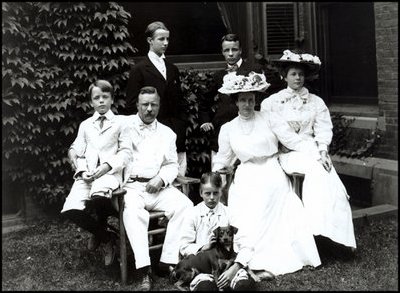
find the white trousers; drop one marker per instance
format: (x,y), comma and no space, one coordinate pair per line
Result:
(136,220)
(81,191)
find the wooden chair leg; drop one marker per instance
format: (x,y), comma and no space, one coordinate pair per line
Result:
(122,236)
(297,180)
(228,180)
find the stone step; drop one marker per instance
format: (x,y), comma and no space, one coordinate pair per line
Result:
(374,211)
(11,223)
(6,230)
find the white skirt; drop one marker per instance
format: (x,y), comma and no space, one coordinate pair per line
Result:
(324,197)
(263,205)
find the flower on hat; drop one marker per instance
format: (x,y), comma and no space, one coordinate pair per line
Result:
(290,56)
(233,83)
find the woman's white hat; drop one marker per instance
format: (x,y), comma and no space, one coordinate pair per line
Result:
(233,83)
(311,63)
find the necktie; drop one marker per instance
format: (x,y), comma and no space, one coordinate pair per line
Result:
(143,126)
(102,118)
(232,68)
(212,219)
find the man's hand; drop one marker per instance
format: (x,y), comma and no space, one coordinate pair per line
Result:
(154,185)
(326,160)
(226,277)
(101,170)
(207,126)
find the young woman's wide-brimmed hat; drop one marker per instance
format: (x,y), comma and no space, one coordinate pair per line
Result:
(233,83)
(311,63)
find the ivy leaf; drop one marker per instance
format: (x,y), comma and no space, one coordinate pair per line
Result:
(100,16)
(112,64)
(9,120)
(79,6)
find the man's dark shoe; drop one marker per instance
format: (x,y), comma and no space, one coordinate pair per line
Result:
(109,252)
(93,243)
(145,283)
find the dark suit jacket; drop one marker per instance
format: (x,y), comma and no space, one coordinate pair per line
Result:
(225,108)
(172,103)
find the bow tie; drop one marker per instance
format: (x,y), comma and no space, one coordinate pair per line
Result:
(232,68)
(301,96)
(143,126)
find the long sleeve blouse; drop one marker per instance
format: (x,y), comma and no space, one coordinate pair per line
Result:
(298,118)
(248,139)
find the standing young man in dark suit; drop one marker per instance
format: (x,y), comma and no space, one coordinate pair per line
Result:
(215,109)
(154,70)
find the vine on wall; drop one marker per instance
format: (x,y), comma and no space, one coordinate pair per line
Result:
(194,84)
(51,52)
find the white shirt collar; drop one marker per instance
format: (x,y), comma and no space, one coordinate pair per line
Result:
(139,123)
(301,92)
(205,209)
(109,115)
(154,56)
(239,63)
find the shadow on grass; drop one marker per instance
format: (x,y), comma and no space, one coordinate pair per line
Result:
(52,255)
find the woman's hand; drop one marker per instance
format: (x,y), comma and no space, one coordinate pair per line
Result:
(226,170)
(226,277)
(326,160)
(207,126)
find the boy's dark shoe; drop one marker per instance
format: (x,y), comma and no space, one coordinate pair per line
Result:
(110,250)
(165,269)
(93,243)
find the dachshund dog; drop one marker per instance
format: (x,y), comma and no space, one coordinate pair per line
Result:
(213,261)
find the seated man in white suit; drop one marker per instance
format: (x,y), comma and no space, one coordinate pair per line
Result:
(153,169)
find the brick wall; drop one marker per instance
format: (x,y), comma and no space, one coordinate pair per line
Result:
(386,32)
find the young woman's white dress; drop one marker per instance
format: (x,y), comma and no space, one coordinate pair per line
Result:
(303,124)
(262,204)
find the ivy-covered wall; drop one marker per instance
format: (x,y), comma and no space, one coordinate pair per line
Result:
(51,52)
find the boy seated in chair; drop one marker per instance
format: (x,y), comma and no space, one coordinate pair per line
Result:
(98,155)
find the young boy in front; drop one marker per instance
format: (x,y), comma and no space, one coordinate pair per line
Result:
(98,155)
(197,232)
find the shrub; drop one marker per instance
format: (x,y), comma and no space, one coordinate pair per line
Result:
(352,143)
(194,84)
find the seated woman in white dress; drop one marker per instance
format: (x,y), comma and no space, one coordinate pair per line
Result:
(272,232)
(303,125)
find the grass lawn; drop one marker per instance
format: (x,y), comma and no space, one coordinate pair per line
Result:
(52,255)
